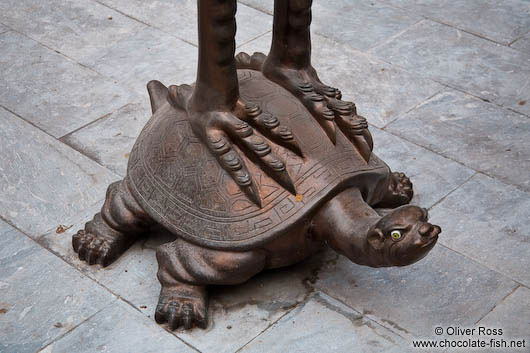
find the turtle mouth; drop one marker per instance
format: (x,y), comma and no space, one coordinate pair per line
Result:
(418,252)
(430,242)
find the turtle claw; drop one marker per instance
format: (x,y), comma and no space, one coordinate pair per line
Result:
(399,191)
(183,306)
(96,250)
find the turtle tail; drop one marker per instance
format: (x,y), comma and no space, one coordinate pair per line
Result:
(158,94)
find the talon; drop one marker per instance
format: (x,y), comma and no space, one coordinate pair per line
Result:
(243,179)
(270,127)
(219,146)
(244,129)
(253,110)
(271,122)
(328,115)
(330,91)
(260,146)
(286,133)
(316,97)
(232,161)
(306,87)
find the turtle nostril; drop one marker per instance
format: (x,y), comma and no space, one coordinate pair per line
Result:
(425,229)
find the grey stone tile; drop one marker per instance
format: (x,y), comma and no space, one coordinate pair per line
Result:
(3,28)
(4,227)
(481,135)
(523,44)
(381,92)
(40,295)
(444,289)
(512,316)
(247,309)
(42,180)
(502,21)
(511,321)
(180,18)
(477,66)
(150,54)
(432,175)
(359,24)
(489,224)
(116,330)
(75,28)
(52,92)
(266,6)
(110,140)
(133,276)
(324,324)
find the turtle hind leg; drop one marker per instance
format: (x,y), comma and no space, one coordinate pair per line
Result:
(398,193)
(113,230)
(184,271)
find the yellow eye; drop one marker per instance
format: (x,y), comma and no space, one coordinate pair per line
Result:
(395,234)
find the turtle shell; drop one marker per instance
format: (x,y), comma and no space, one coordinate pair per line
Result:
(179,183)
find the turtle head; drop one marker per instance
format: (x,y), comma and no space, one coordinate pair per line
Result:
(401,238)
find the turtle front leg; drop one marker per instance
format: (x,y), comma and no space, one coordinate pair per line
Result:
(112,231)
(185,269)
(398,192)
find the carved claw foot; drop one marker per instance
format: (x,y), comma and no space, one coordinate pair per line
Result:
(98,250)
(323,101)
(182,306)
(301,84)
(221,130)
(399,191)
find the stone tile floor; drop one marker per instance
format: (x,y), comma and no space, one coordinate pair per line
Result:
(445,85)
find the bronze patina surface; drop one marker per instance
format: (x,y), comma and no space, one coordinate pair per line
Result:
(256,166)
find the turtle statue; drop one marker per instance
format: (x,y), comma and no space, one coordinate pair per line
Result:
(256,166)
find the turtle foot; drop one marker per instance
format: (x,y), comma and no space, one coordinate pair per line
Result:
(399,191)
(95,248)
(182,305)
(112,231)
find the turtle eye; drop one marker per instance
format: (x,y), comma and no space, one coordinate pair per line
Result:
(395,234)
